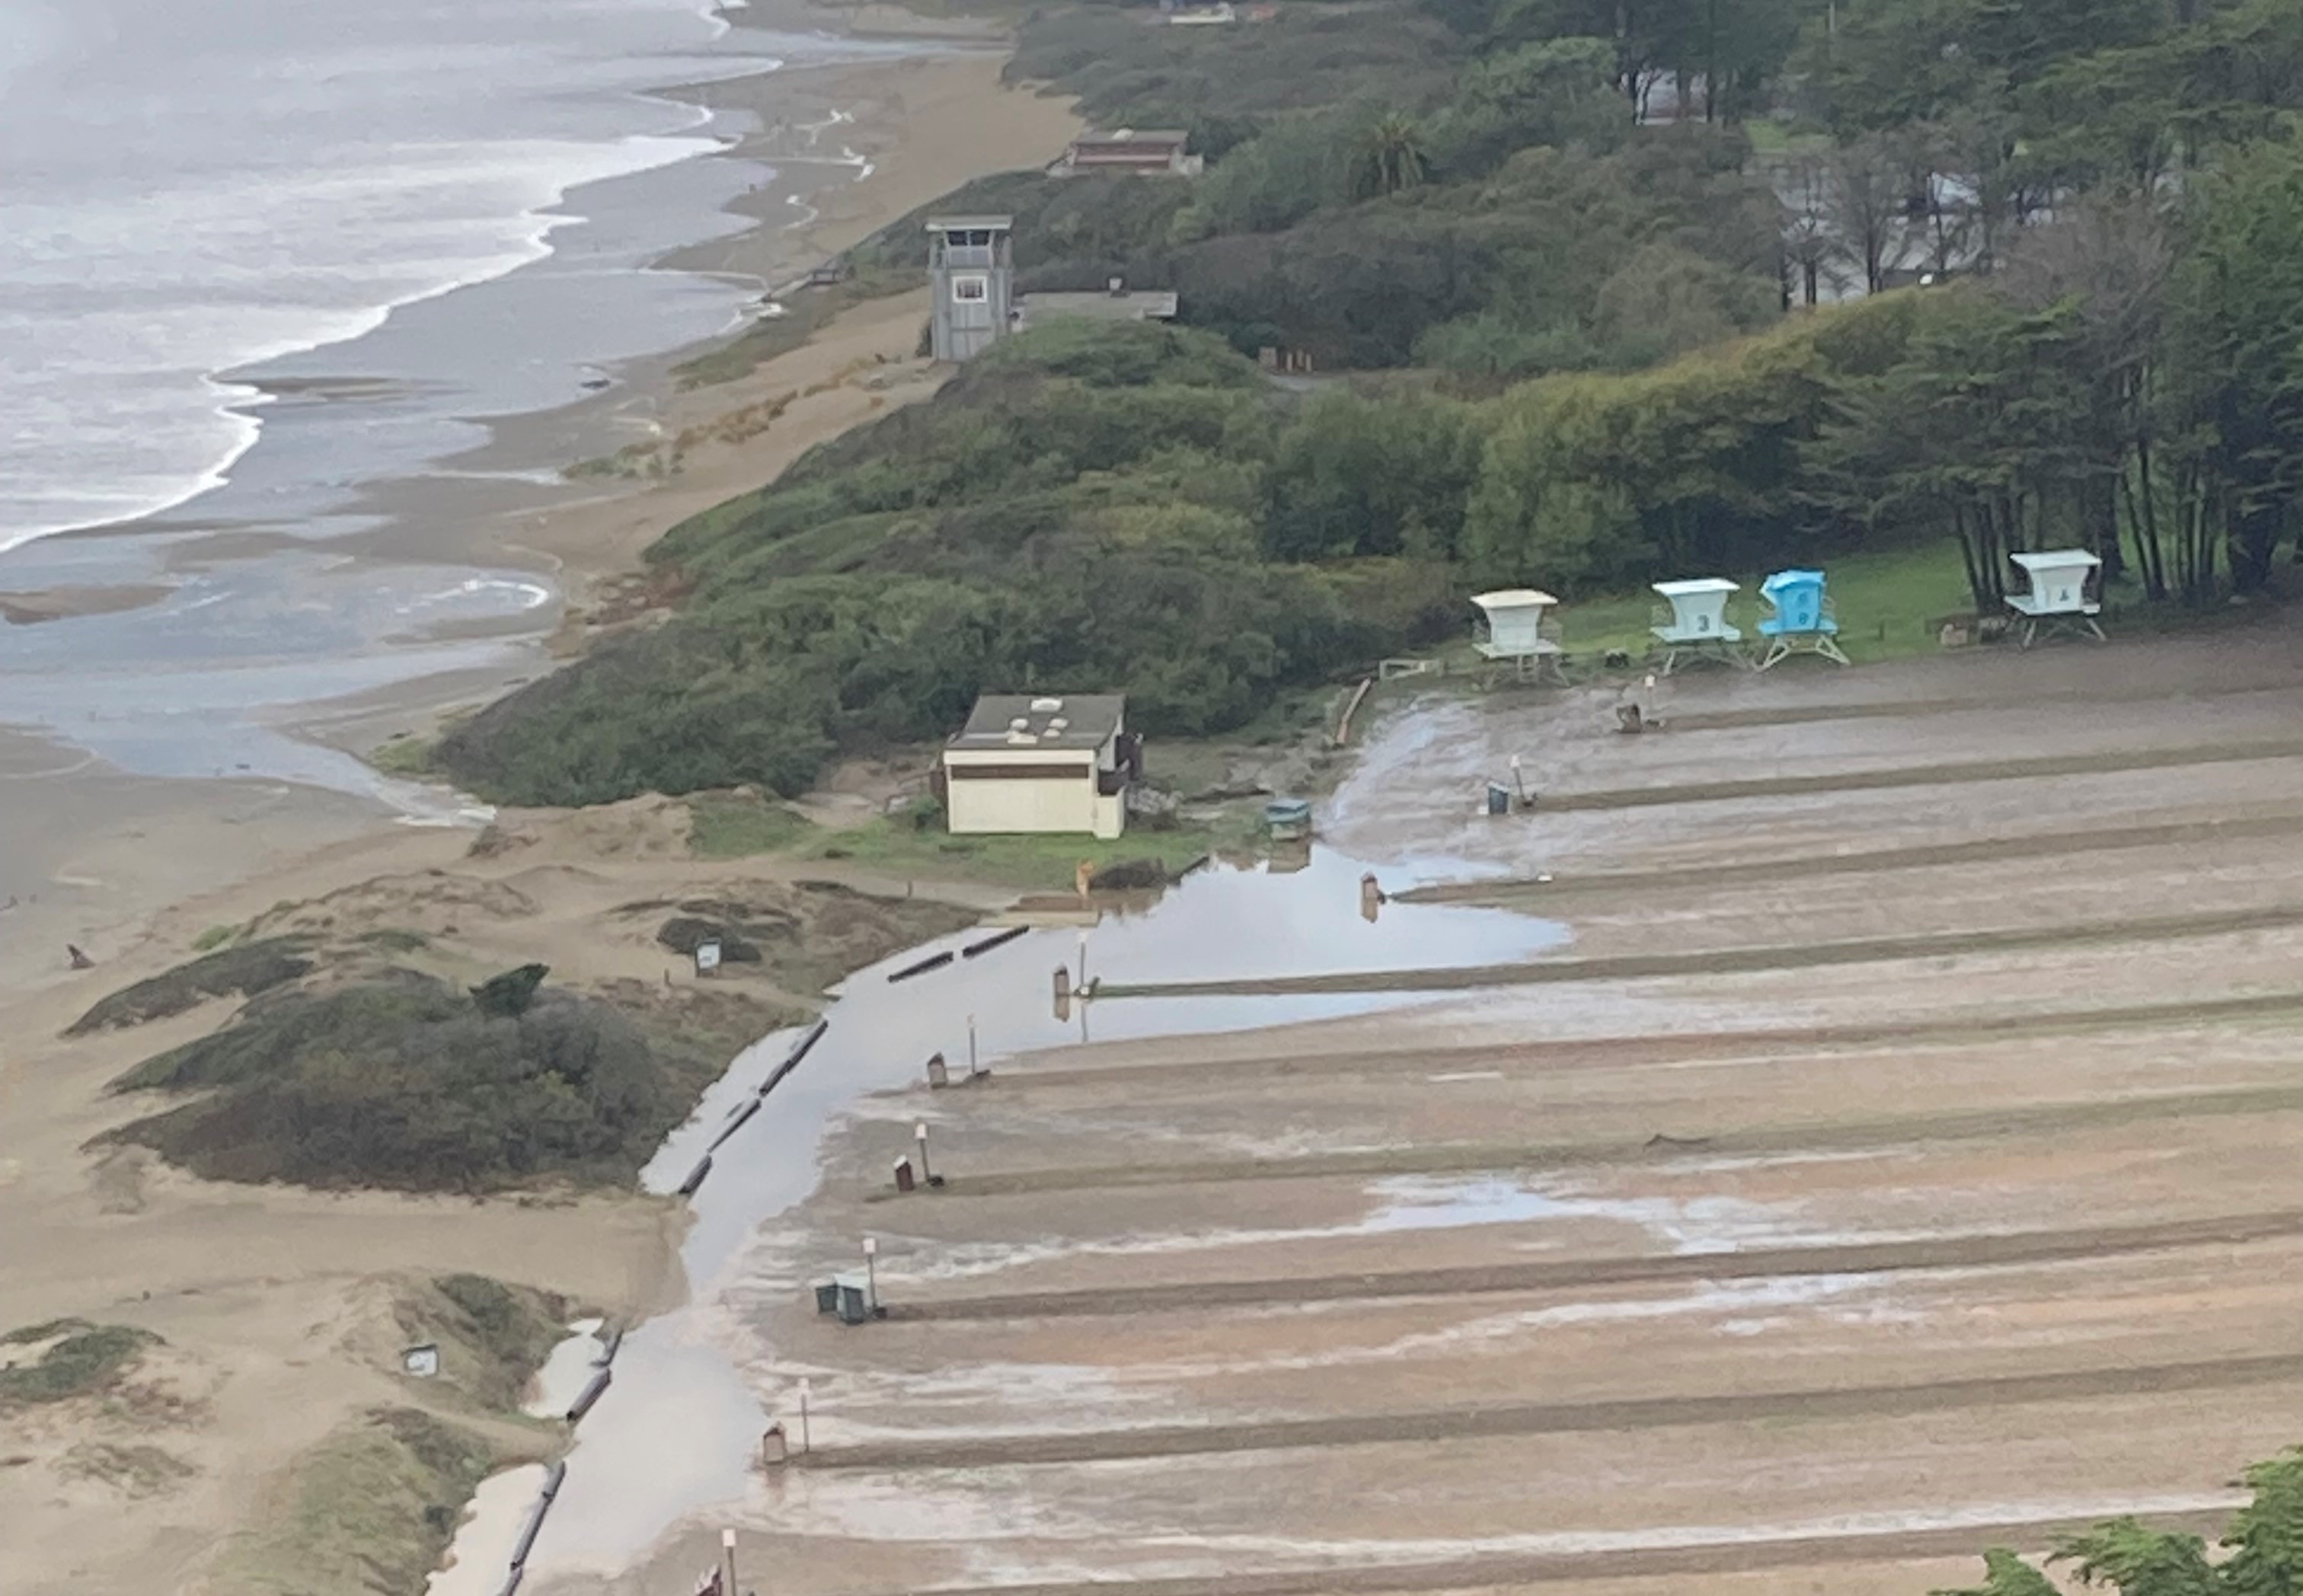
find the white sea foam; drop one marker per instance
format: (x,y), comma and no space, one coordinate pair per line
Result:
(188,197)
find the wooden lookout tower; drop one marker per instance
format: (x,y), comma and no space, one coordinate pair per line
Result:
(971,287)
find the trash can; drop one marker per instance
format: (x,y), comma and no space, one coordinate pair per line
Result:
(1498,798)
(827,1297)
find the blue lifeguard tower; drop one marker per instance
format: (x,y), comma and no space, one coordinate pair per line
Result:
(1802,622)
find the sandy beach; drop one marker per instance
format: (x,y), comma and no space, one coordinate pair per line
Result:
(276,1308)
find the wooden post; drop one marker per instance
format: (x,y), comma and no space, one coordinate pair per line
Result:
(728,1559)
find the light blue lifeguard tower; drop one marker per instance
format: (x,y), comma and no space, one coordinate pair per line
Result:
(1692,622)
(1802,622)
(2058,599)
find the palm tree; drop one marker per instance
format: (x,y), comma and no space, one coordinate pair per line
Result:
(1390,156)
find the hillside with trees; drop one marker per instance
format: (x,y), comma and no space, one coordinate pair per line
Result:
(1621,291)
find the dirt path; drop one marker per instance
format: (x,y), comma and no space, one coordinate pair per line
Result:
(1948,774)
(1543,893)
(1562,1418)
(1797,956)
(1959,1252)
(1507,1572)
(1614,1052)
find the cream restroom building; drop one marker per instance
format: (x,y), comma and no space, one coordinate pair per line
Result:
(1051,764)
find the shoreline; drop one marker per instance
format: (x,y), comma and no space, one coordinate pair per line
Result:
(584,537)
(136,868)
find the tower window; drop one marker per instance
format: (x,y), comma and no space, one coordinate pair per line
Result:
(972,290)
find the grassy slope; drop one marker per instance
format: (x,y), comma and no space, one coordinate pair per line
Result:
(83,1359)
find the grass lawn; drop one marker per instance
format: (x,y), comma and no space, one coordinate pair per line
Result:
(730,827)
(1770,136)
(1890,605)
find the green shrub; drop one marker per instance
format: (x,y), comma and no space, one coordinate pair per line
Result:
(403,1082)
(86,1359)
(246,970)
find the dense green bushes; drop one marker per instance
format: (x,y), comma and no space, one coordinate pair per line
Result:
(400,1081)
(1133,507)
(1084,507)
(1385,190)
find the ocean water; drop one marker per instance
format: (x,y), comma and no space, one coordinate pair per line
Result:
(188,192)
(261,262)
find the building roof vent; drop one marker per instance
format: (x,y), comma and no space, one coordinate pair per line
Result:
(1021,739)
(1046,707)
(1058,724)
(1020,724)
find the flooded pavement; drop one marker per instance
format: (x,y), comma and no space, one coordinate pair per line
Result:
(1686,1262)
(681,1428)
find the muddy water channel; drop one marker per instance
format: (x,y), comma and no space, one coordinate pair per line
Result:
(680,1427)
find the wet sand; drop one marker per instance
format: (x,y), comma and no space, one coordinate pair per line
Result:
(277,1306)
(1821,1269)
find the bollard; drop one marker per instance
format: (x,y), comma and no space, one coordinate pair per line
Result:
(694,1181)
(528,1533)
(934,961)
(998,940)
(736,1122)
(594,1389)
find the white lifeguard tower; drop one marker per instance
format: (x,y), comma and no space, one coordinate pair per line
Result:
(1517,626)
(2058,599)
(1692,622)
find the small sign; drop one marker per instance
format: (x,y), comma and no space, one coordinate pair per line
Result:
(423,1362)
(708,958)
